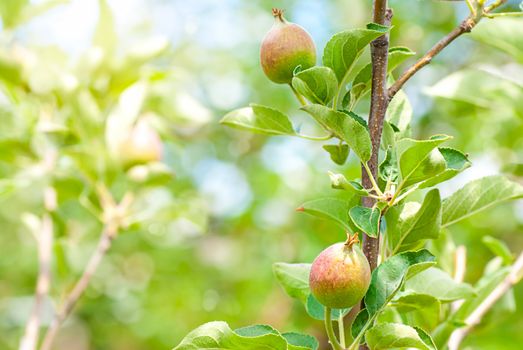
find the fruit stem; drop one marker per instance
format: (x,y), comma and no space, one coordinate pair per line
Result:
(351,239)
(278,14)
(330,331)
(341,330)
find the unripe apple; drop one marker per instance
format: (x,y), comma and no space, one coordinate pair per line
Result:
(340,275)
(142,145)
(286,46)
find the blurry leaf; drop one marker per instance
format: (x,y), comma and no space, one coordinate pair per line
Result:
(439,284)
(366,219)
(495,91)
(10,70)
(259,119)
(395,335)
(479,195)
(424,309)
(300,341)
(317,84)
(342,50)
(399,113)
(338,153)
(412,222)
(416,159)
(363,79)
(37,9)
(388,277)
(483,288)
(455,161)
(294,278)
(105,33)
(218,335)
(345,126)
(499,248)
(11,11)
(505,34)
(124,115)
(330,208)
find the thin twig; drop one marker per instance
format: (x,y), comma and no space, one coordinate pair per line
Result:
(45,243)
(465,27)
(65,310)
(460,266)
(475,317)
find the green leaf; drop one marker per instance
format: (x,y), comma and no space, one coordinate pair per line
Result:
(259,119)
(330,208)
(395,335)
(345,126)
(499,248)
(388,137)
(388,277)
(359,323)
(413,222)
(294,278)
(338,153)
(399,113)
(317,311)
(416,158)
(362,82)
(439,284)
(455,163)
(388,169)
(317,84)
(218,335)
(366,219)
(299,341)
(479,195)
(338,181)
(342,50)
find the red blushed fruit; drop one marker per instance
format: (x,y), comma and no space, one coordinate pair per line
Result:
(340,275)
(286,46)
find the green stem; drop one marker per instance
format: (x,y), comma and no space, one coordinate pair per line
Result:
(372,180)
(315,138)
(471,7)
(341,330)
(505,14)
(298,96)
(330,331)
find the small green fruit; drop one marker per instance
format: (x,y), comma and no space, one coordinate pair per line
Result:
(340,275)
(142,145)
(286,46)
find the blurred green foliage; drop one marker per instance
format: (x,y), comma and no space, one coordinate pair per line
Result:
(201,243)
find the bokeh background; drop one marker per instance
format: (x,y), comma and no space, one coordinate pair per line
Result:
(203,241)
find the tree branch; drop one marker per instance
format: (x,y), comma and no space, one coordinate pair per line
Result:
(465,27)
(378,107)
(475,317)
(460,267)
(103,246)
(45,244)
